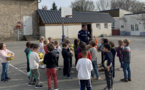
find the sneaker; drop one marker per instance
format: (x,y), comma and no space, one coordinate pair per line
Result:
(129,79)
(124,80)
(69,77)
(7,78)
(38,86)
(31,84)
(4,80)
(106,88)
(49,89)
(56,88)
(99,78)
(64,77)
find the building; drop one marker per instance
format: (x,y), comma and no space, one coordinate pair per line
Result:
(133,24)
(51,24)
(117,14)
(22,12)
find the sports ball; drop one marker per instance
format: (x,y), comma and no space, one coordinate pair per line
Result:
(41,55)
(72,47)
(10,58)
(106,62)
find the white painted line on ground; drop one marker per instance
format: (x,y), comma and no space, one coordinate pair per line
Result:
(18,69)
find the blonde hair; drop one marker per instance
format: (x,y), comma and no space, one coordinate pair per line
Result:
(42,38)
(126,41)
(120,42)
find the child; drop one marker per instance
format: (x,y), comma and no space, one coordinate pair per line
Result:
(27,51)
(50,60)
(113,51)
(119,54)
(68,43)
(76,45)
(83,47)
(58,50)
(101,49)
(5,64)
(50,39)
(126,51)
(84,68)
(108,67)
(105,41)
(66,57)
(93,52)
(34,66)
(78,50)
(31,49)
(41,50)
(46,42)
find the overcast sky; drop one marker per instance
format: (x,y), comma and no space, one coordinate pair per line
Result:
(61,3)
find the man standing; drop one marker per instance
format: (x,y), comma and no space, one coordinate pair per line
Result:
(84,34)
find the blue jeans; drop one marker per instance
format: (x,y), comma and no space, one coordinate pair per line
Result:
(85,83)
(4,74)
(95,69)
(126,67)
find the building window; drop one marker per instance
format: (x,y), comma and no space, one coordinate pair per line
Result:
(113,25)
(122,26)
(136,27)
(144,26)
(106,25)
(132,27)
(98,26)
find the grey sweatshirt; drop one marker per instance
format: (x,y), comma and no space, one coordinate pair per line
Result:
(93,52)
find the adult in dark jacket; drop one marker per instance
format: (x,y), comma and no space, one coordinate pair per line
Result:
(84,34)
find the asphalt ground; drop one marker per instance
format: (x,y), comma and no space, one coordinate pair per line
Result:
(19,79)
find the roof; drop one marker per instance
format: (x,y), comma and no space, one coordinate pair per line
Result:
(136,13)
(53,16)
(114,12)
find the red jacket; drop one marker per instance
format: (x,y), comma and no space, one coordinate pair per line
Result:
(45,49)
(89,56)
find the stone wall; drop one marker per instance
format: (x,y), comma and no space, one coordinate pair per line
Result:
(12,11)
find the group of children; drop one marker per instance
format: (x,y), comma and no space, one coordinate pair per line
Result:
(51,59)
(85,61)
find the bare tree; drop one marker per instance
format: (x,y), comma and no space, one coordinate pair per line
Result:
(103,5)
(142,18)
(83,5)
(44,7)
(129,5)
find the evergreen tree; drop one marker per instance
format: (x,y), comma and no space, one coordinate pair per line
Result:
(54,7)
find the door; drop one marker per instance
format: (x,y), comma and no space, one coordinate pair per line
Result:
(89,28)
(135,30)
(27,25)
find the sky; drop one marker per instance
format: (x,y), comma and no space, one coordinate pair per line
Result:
(61,3)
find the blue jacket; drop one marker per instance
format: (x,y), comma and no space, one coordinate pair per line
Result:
(109,58)
(83,36)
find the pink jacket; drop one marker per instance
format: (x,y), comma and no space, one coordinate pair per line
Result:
(3,55)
